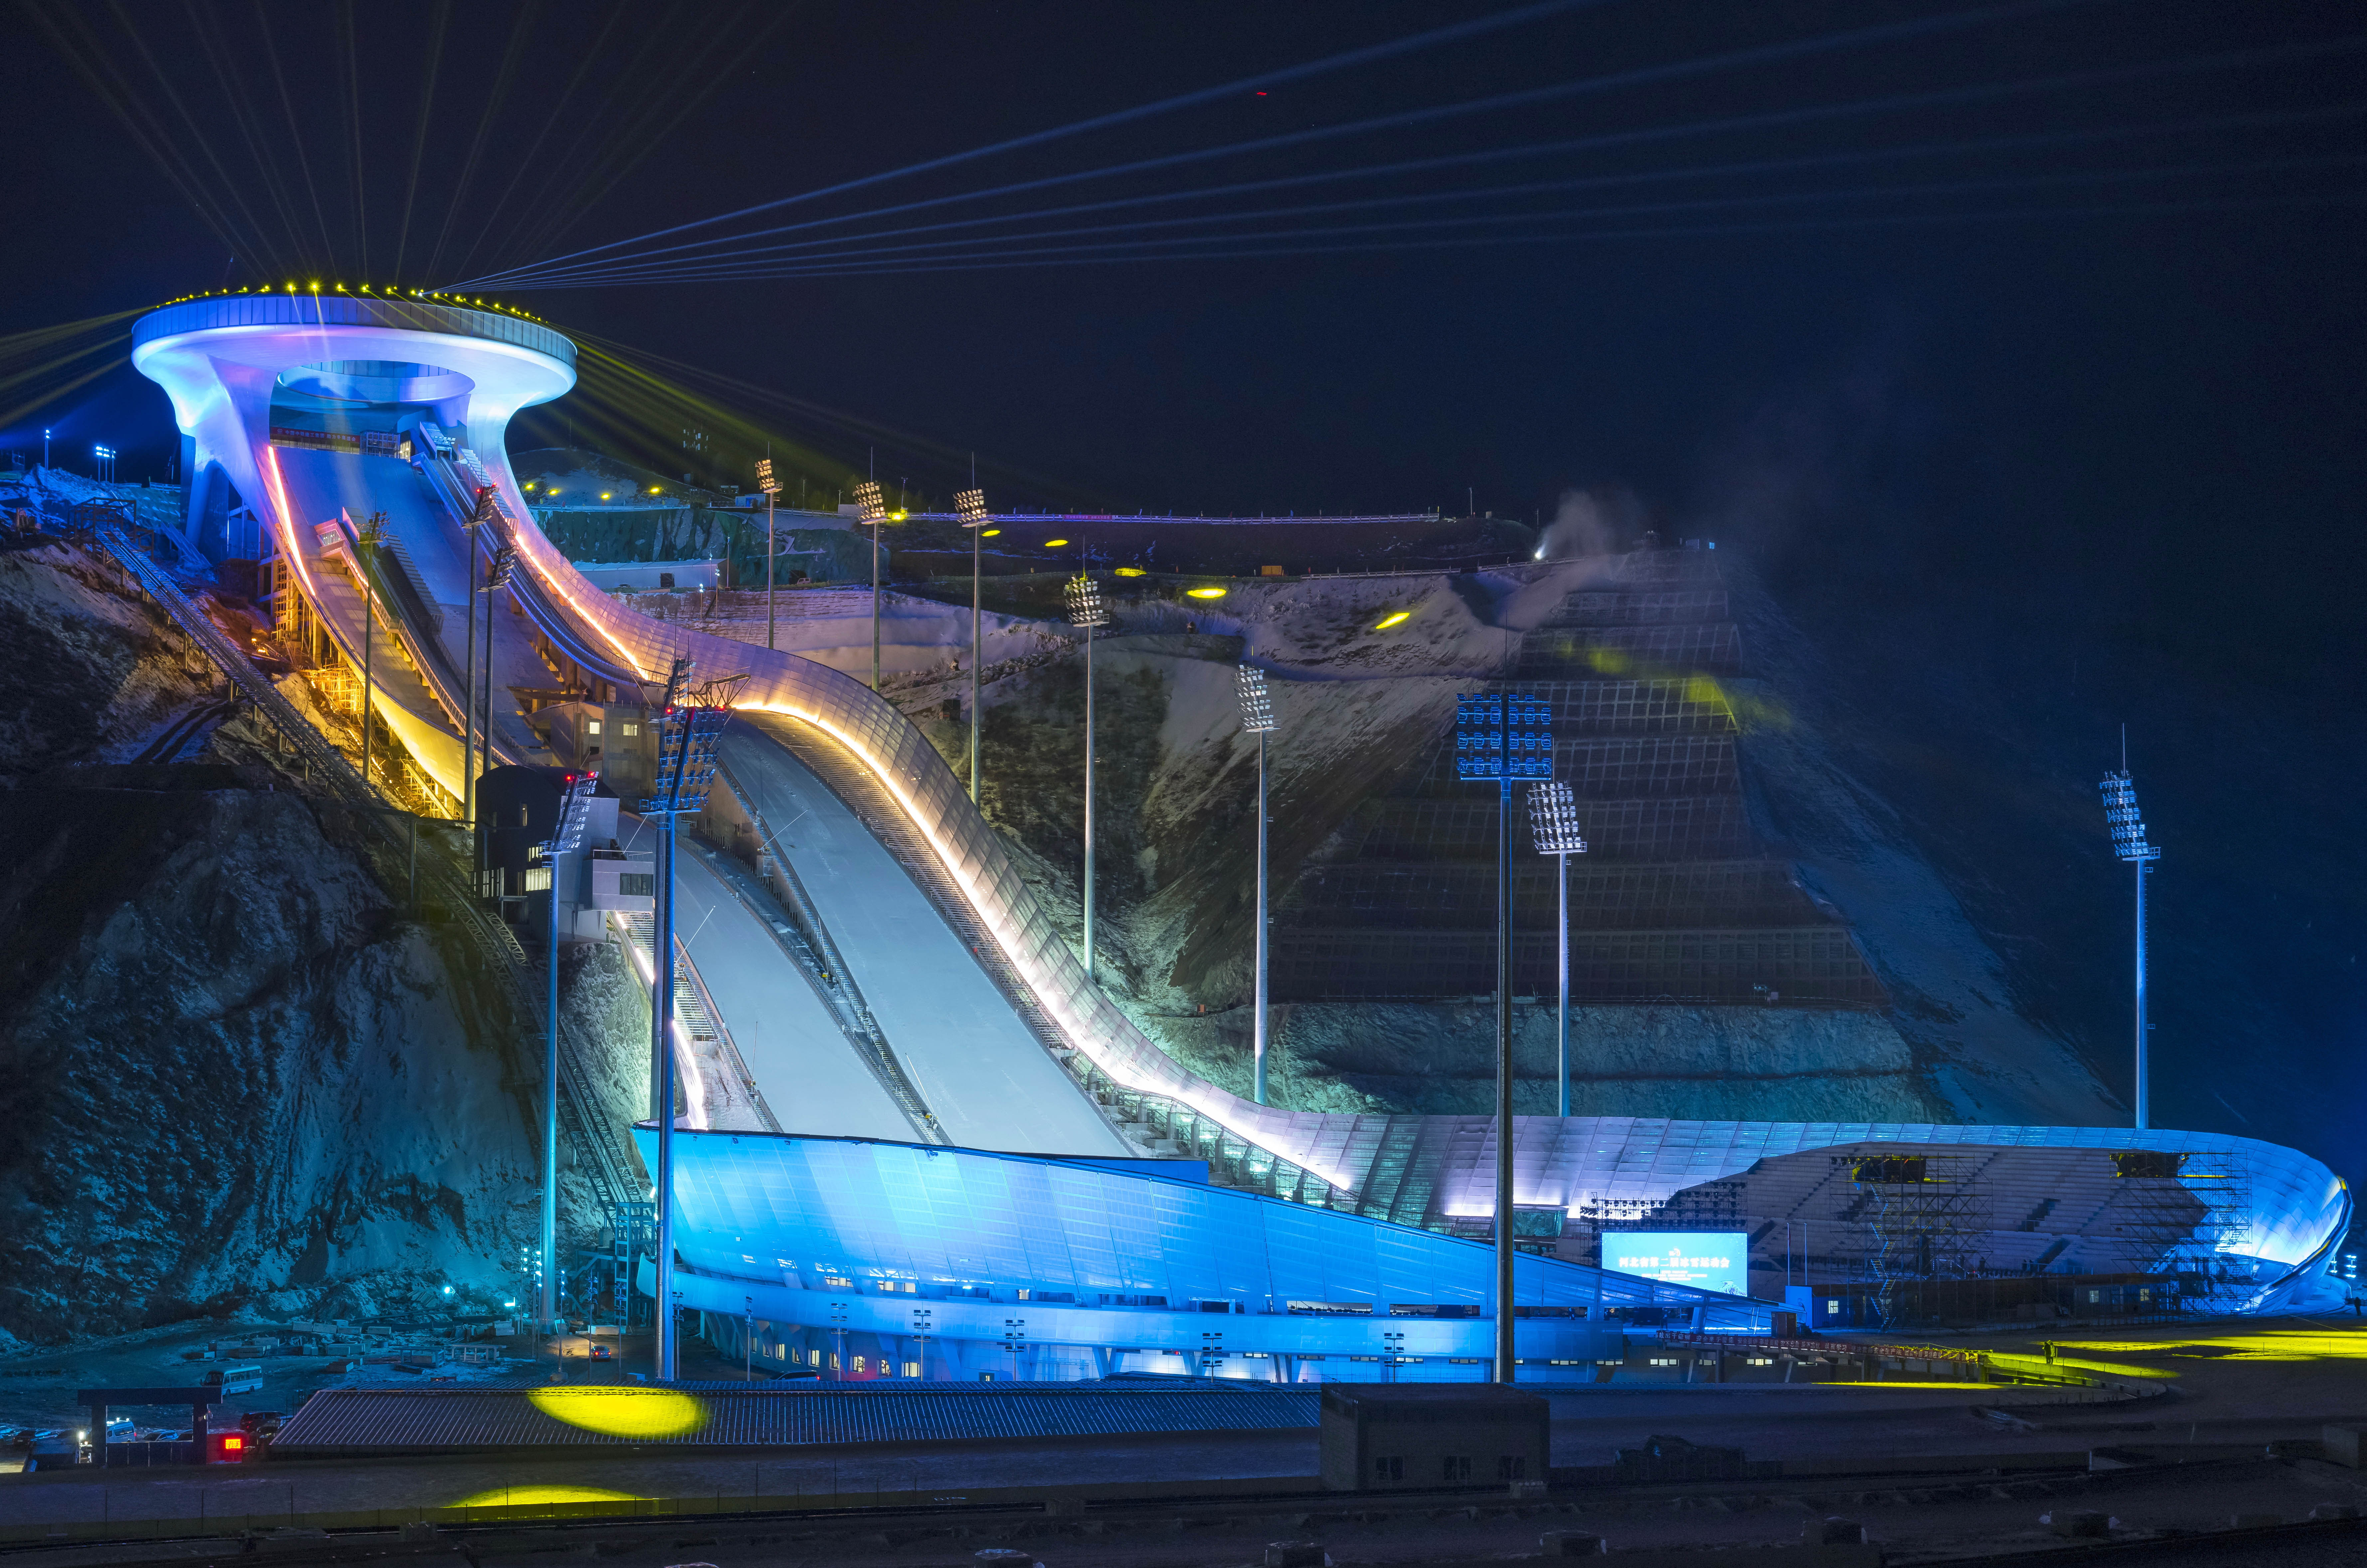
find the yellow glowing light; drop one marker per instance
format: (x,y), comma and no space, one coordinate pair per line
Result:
(1206,593)
(1399,619)
(541,1496)
(604,495)
(2273,1345)
(896,517)
(529,484)
(621,1412)
(653,490)
(1054,544)
(1129,572)
(552,490)
(2040,1364)
(989,533)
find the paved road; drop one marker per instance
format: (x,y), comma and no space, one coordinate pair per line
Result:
(978,1068)
(803,1064)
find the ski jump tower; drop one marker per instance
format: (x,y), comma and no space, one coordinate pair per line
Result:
(324,411)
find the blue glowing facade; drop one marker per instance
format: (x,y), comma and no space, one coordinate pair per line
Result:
(1041,1268)
(918,1260)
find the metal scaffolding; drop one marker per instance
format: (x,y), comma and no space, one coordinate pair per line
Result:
(1927,1217)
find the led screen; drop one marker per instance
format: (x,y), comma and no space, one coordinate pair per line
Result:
(1708,1260)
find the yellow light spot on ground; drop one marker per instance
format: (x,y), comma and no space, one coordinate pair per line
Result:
(531,1496)
(1054,544)
(2078,1364)
(2273,1345)
(1206,593)
(622,1413)
(1398,619)
(1129,572)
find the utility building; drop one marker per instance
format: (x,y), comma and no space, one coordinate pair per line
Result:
(518,812)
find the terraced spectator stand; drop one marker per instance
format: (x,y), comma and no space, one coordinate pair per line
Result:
(1676,899)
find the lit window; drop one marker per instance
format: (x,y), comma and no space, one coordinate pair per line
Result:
(833,1360)
(833,1282)
(911,1369)
(536,879)
(591,726)
(628,728)
(858,1364)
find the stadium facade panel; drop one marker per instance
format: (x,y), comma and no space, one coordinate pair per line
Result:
(924,1260)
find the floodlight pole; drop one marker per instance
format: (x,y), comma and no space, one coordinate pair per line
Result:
(1505,1363)
(977,653)
(1257,1026)
(469,692)
(547,1304)
(769,548)
(2130,846)
(368,544)
(574,801)
(1561,1028)
(971,504)
(661,1061)
(875,518)
(2144,1076)
(1089,802)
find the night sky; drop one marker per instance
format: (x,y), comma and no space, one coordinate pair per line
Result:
(2075,422)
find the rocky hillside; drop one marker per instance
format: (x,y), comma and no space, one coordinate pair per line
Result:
(237,1073)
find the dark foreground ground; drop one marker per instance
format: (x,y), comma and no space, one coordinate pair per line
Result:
(2231,1440)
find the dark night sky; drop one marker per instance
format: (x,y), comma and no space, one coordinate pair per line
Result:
(2130,439)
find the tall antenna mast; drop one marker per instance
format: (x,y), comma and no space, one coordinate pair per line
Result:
(2130,846)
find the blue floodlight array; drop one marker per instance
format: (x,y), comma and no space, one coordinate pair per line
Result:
(687,741)
(2121,815)
(1504,735)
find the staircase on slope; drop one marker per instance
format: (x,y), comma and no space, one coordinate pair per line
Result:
(1675,900)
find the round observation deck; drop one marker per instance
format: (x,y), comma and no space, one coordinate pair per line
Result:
(284,311)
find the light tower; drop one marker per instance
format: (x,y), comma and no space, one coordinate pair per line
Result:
(365,542)
(688,727)
(566,838)
(2129,844)
(503,558)
(481,524)
(873,509)
(971,504)
(1503,736)
(1086,611)
(765,482)
(1553,822)
(1257,718)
